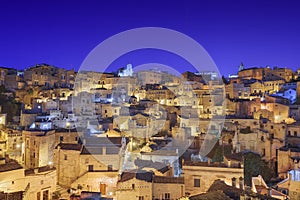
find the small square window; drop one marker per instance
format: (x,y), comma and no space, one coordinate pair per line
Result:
(196,182)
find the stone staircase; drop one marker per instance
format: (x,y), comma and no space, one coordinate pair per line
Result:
(63,191)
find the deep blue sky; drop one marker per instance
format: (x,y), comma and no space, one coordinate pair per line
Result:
(62,33)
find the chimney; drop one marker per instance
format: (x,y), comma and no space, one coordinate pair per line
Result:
(233,182)
(229,163)
(241,183)
(36,170)
(104,150)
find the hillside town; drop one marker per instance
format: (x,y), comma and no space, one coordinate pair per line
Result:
(149,134)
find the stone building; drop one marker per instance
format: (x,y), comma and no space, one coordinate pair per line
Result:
(252,73)
(39,146)
(237,91)
(76,162)
(290,186)
(12,141)
(49,76)
(198,177)
(278,73)
(288,159)
(148,77)
(144,185)
(36,184)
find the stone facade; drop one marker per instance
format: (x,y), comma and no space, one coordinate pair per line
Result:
(199,178)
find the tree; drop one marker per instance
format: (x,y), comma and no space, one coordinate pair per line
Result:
(218,154)
(10,106)
(254,166)
(2,89)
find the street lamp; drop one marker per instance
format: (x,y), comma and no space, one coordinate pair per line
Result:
(68,125)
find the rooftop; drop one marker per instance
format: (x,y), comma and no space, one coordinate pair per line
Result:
(70,146)
(138,174)
(10,165)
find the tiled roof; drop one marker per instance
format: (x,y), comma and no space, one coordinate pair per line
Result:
(98,150)
(10,165)
(235,156)
(164,179)
(161,167)
(70,146)
(138,174)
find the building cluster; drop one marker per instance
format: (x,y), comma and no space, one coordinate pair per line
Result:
(149,135)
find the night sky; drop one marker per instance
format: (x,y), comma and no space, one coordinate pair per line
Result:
(62,33)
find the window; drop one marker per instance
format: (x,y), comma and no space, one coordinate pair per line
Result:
(46,195)
(91,168)
(38,195)
(133,186)
(167,196)
(295,133)
(263,152)
(109,167)
(66,157)
(196,182)
(141,197)
(61,138)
